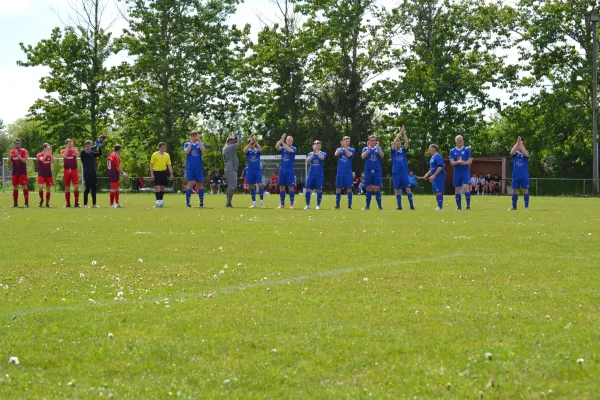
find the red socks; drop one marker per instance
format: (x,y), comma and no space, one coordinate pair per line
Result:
(112,198)
(48,197)
(68,198)
(41,193)
(26,195)
(117,197)
(76,194)
(15,196)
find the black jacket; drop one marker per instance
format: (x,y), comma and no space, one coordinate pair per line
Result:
(88,159)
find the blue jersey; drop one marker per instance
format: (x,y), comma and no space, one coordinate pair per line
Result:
(193,159)
(461,155)
(373,161)
(316,165)
(437,161)
(345,162)
(287,158)
(520,165)
(245,173)
(253,158)
(399,162)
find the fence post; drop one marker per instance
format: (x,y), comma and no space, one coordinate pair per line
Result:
(3,180)
(536,186)
(584,187)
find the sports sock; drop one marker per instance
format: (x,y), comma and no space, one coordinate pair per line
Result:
(307,197)
(468,199)
(201,195)
(338,198)
(112,198)
(188,195)
(526,198)
(157,195)
(410,200)
(48,197)
(261,193)
(253,194)
(515,198)
(41,193)
(68,198)
(440,200)
(26,195)
(15,195)
(458,201)
(378,198)
(292,195)
(117,193)
(369,194)
(349,199)
(319,198)
(399,200)
(76,195)
(282,196)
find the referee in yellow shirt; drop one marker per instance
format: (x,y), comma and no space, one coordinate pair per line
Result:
(159,163)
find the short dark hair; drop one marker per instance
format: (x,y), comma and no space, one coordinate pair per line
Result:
(161,144)
(118,147)
(434,146)
(17,140)
(45,145)
(194,132)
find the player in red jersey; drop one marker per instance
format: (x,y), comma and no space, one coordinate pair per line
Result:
(114,173)
(18,160)
(45,173)
(70,154)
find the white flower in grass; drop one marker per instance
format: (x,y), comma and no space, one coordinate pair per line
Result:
(226,266)
(94,262)
(81,275)
(70,383)
(140,260)
(580,361)
(488,356)
(221,272)
(366,279)
(13,360)
(120,294)
(110,335)
(273,350)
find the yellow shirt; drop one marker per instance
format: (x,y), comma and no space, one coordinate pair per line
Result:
(160,162)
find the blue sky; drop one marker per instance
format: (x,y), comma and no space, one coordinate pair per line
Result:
(30,21)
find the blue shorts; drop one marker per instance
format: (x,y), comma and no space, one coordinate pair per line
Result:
(344,181)
(196,175)
(286,177)
(520,182)
(438,185)
(401,181)
(314,182)
(373,178)
(461,178)
(254,176)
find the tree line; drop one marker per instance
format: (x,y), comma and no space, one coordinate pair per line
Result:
(321,69)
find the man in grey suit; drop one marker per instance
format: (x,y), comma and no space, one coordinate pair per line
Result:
(231,167)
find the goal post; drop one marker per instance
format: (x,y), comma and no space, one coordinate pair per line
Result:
(271,164)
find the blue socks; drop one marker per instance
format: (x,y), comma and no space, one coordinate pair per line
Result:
(282,196)
(378,198)
(515,198)
(399,200)
(201,195)
(458,201)
(440,200)
(261,193)
(307,197)
(319,198)
(292,193)
(253,194)
(188,195)
(338,197)
(526,197)
(468,199)
(349,199)
(410,200)
(368,195)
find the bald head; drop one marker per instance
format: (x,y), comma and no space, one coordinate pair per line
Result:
(459,141)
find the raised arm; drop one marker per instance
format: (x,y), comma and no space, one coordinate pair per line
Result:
(188,148)
(516,147)
(403,131)
(524,151)
(280,142)
(380,152)
(365,153)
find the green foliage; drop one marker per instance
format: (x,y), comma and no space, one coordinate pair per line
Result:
(32,135)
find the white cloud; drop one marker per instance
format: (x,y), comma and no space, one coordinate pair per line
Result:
(19,88)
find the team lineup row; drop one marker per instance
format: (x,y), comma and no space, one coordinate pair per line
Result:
(161,171)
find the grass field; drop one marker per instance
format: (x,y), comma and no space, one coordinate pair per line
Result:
(237,303)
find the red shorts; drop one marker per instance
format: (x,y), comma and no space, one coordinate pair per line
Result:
(48,180)
(19,180)
(245,182)
(71,176)
(115,185)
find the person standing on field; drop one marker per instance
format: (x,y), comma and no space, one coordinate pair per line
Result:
(232,164)
(286,170)
(436,175)
(71,174)
(45,173)
(316,174)
(194,170)
(461,159)
(18,161)
(343,178)
(253,174)
(400,169)
(160,162)
(373,154)
(520,174)
(114,175)
(90,179)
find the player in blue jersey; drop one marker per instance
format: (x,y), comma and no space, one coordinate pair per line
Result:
(343,179)
(520,174)
(253,171)
(436,175)
(286,170)
(400,169)
(373,154)
(461,159)
(194,172)
(316,174)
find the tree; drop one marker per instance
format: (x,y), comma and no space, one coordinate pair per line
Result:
(186,58)
(78,100)
(450,63)
(31,133)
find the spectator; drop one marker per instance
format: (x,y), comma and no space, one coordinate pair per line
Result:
(361,185)
(216,182)
(497,184)
(412,181)
(481,183)
(274,184)
(140,183)
(489,183)
(355,181)
(474,182)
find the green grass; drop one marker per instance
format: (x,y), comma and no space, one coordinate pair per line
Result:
(282,304)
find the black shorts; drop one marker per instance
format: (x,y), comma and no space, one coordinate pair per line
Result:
(161,178)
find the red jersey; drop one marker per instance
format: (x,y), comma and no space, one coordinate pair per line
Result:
(69,158)
(18,166)
(44,164)
(114,162)
(275,179)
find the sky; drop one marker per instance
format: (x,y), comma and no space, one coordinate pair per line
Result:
(30,21)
